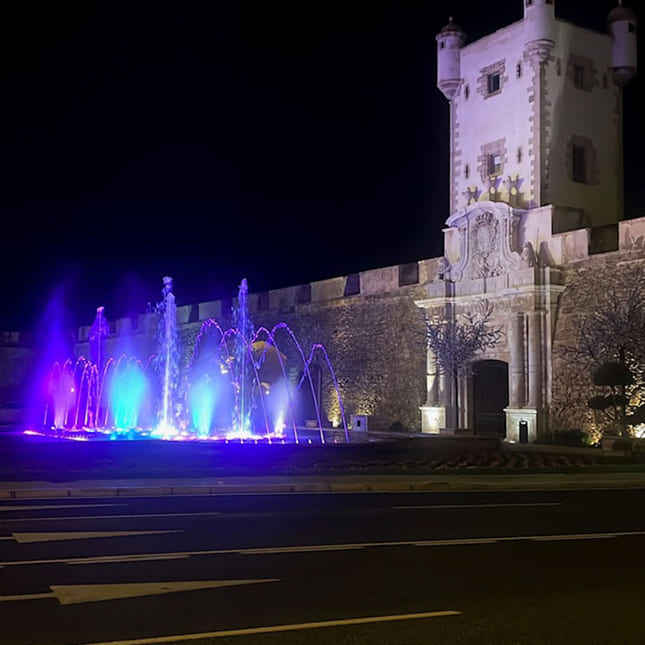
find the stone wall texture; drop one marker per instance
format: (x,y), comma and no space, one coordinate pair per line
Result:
(591,284)
(376,346)
(374,333)
(375,341)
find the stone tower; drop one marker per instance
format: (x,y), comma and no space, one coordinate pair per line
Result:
(535,183)
(536,113)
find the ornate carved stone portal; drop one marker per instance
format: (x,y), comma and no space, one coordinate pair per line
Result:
(488,240)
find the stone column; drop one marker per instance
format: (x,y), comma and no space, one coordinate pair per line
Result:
(432,379)
(517,383)
(535,359)
(447,399)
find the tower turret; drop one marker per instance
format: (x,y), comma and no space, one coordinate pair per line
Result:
(539,25)
(622,26)
(449,42)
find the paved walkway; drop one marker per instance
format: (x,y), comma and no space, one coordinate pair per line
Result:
(307,484)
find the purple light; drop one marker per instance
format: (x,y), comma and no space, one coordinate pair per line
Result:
(239,386)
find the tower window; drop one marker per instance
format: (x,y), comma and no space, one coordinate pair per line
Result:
(519,155)
(582,73)
(490,163)
(582,161)
(442,45)
(466,92)
(518,70)
(494,83)
(467,171)
(578,164)
(491,78)
(494,164)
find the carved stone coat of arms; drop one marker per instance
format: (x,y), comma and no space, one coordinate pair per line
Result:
(487,239)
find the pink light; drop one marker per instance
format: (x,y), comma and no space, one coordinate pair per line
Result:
(33,432)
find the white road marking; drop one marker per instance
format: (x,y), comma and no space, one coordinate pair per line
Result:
(439,506)
(247,631)
(108,517)
(51,506)
(134,557)
(76,594)
(111,559)
(573,536)
(529,538)
(302,549)
(26,538)
(213,513)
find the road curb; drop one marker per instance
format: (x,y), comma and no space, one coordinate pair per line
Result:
(376,486)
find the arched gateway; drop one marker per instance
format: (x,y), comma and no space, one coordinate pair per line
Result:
(490,397)
(490,259)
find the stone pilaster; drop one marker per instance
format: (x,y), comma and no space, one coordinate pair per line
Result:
(453,149)
(535,358)
(447,399)
(517,389)
(432,379)
(538,53)
(433,414)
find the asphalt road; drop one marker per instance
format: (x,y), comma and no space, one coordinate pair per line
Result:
(502,567)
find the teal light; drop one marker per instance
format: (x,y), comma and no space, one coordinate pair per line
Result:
(127,396)
(202,405)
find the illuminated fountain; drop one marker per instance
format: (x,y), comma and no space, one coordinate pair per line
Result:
(168,357)
(238,385)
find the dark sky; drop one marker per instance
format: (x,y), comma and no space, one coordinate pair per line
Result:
(282,142)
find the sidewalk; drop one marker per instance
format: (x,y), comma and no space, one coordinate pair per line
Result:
(320,484)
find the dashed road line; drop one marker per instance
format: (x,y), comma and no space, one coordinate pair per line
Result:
(460,506)
(54,506)
(272,629)
(110,517)
(314,548)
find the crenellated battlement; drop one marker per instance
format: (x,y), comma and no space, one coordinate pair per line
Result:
(563,248)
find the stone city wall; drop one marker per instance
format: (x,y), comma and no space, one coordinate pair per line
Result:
(367,322)
(374,333)
(589,280)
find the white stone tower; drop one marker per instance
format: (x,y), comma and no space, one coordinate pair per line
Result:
(536,114)
(535,183)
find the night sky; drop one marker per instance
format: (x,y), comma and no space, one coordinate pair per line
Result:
(281,142)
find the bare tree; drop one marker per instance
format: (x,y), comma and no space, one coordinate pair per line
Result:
(610,330)
(457,340)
